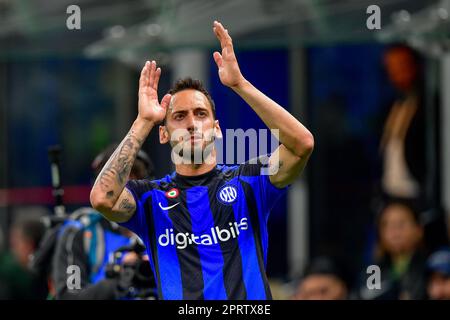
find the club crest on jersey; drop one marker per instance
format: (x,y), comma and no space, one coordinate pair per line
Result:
(172,193)
(227,194)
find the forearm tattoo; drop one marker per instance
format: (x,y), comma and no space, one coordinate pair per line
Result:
(115,173)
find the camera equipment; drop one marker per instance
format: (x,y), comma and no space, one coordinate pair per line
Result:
(54,155)
(135,280)
(40,262)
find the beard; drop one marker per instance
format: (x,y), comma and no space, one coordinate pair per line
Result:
(193,151)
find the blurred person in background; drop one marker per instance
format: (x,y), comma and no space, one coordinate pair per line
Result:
(87,240)
(409,144)
(403,143)
(399,253)
(324,279)
(438,286)
(15,282)
(16,279)
(12,284)
(25,236)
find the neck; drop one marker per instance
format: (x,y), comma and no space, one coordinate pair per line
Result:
(197,169)
(409,91)
(399,257)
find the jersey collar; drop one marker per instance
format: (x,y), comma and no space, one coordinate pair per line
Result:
(198,180)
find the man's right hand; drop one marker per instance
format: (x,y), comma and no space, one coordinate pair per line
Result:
(109,195)
(149,107)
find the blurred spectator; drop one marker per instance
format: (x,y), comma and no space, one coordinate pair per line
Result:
(25,236)
(87,240)
(409,144)
(16,280)
(399,254)
(323,279)
(438,287)
(403,141)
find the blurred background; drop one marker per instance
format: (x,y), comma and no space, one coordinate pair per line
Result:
(375,191)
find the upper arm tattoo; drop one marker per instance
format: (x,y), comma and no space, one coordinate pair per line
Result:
(275,166)
(127,206)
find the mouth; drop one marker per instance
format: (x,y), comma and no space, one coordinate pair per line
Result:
(190,138)
(195,137)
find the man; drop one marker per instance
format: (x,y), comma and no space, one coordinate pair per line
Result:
(26,234)
(205,225)
(87,240)
(438,264)
(403,138)
(323,279)
(16,282)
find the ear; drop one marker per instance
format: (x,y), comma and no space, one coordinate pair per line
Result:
(163,135)
(217,131)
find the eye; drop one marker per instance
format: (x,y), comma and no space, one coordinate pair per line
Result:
(178,116)
(202,114)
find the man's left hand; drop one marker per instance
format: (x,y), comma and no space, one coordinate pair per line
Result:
(229,72)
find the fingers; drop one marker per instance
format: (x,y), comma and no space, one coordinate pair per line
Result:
(157,76)
(149,76)
(143,80)
(216,31)
(222,34)
(218,58)
(152,74)
(166,101)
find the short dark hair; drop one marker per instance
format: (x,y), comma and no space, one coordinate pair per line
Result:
(143,167)
(31,228)
(328,265)
(412,206)
(189,83)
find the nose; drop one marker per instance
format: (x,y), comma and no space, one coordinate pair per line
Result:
(192,124)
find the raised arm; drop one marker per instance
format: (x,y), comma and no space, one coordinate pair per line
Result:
(297,143)
(108,194)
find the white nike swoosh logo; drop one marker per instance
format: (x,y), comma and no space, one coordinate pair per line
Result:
(169,207)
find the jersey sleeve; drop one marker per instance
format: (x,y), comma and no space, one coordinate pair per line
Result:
(139,189)
(255,172)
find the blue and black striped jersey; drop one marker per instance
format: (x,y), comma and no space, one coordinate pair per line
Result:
(206,235)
